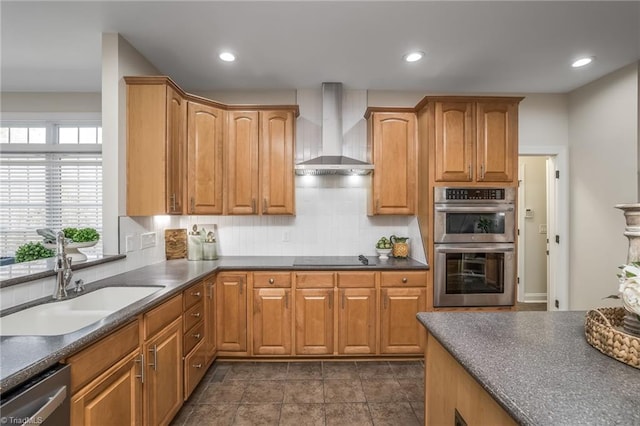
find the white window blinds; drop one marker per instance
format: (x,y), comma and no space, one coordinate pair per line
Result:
(54,190)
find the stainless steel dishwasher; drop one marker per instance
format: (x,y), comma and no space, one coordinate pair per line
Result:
(43,400)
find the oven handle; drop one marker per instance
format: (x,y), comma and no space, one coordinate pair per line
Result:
(474,209)
(474,249)
(47,409)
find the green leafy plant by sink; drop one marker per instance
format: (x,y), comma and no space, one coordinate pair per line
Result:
(81,235)
(32,251)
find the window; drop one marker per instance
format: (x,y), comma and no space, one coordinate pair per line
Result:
(50,177)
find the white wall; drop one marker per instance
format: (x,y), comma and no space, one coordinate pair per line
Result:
(49,102)
(603,130)
(543,120)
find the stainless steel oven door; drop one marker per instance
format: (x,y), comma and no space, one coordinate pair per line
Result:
(474,275)
(455,223)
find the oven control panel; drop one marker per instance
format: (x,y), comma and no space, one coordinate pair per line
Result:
(475,194)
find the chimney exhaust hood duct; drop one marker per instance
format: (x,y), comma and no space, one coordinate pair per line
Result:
(332,162)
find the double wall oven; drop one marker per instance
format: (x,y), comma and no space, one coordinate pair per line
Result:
(474,239)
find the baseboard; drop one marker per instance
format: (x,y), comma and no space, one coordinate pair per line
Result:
(535,298)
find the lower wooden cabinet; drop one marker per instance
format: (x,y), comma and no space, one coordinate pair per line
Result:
(211,346)
(400,331)
(451,392)
(231,315)
(194,368)
(115,397)
(272,321)
(357,321)
(163,374)
(314,321)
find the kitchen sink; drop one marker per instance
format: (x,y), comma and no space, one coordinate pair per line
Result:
(66,316)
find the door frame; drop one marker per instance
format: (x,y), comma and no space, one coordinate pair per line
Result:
(521,234)
(558,223)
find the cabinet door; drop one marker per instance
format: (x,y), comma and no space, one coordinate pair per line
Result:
(272,321)
(204,177)
(210,319)
(314,321)
(113,398)
(356,321)
(176,150)
(400,331)
(394,156)
(276,161)
(164,375)
(454,141)
(232,312)
(497,146)
(242,162)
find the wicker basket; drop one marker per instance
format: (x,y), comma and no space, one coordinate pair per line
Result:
(601,330)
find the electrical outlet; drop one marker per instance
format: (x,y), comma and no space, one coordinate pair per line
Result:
(285,236)
(129,243)
(148,239)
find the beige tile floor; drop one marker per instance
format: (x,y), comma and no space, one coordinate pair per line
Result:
(308,393)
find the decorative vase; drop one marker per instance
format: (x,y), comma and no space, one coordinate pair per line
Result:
(630,323)
(71,250)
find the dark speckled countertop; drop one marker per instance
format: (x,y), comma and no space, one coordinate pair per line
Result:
(539,366)
(22,357)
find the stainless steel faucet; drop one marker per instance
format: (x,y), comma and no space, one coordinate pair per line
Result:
(62,267)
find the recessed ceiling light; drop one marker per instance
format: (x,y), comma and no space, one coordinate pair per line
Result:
(582,62)
(227,56)
(413,56)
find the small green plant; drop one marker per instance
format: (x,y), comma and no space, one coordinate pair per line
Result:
(484,224)
(81,235)
(32,251)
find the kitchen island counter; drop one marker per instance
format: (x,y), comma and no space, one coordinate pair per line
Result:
(539,367)
(22,357)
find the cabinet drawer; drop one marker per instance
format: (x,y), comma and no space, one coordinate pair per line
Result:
(403,279)
(271,279)
(194,369)
(193,315)
(356,279)
(192,337)
(193,295)
(97,358)
(157,318)
(314,279)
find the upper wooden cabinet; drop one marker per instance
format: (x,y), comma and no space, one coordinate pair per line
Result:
(392,140)
(473,139)
(260,156)
(156,147)
(204,148)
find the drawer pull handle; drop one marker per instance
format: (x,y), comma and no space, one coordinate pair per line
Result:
(196,336)
(196,365)
(195,314)
(154,364)
(141,361)
(404,279)
(196,294)
(271,281)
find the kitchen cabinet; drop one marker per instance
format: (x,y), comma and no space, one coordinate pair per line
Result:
(205,158)
(106,380)
(473,139)
(231,312)
(453,396)
(162,347)
(271,316)
(194,347)
(392,140)
(356,313)
(403,295)
(314,314)
(211,346)
(156,147)
(260,156)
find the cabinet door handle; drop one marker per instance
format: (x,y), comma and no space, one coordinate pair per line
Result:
(193,204)
(196,336)
(196,365)
(404,280)
(141,362)
(469,168)
(482,171)
(173,202)
(253,205)
(264,206)
(343,300)
(154,364)
(286,300)
(196,294)
(195,314)
(271,281)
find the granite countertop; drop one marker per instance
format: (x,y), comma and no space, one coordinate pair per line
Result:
(22,357)
(539,366)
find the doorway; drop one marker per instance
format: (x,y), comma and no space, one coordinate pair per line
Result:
(543,228)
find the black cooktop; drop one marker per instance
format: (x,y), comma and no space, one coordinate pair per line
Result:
(334,261)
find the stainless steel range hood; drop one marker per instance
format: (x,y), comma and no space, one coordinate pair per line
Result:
(332,162)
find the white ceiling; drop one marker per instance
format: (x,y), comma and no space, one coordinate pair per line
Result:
(507,47)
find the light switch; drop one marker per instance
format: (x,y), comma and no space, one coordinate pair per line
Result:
(129,243)
(542,229)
